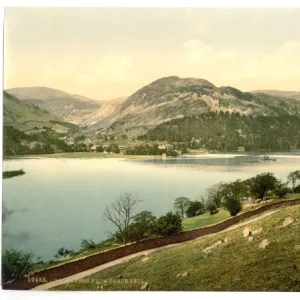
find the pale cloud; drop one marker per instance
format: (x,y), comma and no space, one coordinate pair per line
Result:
(115,68)
(59,70)
(284,62)
(227,54)
(110,68)
(86,78)
(195,51)
(241,69)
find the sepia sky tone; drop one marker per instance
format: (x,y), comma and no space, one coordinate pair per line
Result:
(104,53)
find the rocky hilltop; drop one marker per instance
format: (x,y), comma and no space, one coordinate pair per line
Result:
(173,97)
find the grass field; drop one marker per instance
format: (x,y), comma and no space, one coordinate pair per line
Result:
(237,265)
(205,220)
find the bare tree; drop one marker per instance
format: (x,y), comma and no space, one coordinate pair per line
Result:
(121,212)
(181,204)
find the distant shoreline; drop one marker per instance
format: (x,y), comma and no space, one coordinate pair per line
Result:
(125,156)
(81,155)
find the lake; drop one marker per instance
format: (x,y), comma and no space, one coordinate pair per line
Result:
(58,202)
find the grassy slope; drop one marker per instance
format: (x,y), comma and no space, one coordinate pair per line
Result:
(205,220)
(19,112)
(238,265)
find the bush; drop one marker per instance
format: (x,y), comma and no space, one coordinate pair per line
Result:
(233,205)
(63,252)
(87,244)
(212,208)
(15,264)
(168,224)
(143,226)
(263,183)
(281,190)
(297,189)
(195,208)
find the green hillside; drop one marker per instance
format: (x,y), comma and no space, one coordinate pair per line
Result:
(236,264)
(28,129)
(20,115)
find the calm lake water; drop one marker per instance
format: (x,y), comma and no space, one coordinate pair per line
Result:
(58,202)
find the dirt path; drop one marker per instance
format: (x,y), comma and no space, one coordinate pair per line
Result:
(89,272)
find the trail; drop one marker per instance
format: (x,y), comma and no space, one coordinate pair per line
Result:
(89,272)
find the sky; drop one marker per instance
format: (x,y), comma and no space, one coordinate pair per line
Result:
(104,53)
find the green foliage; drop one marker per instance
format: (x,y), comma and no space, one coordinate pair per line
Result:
(297,189)
(226,132)
(15,264)
(168,224)
(293,177)
(72,127)
(232,197)
(263,183)
(87,244)
(143,226)
(181,204)
(150,150)
(195,208)
(212,208)
(46,142)
(63,252)
(281,190)
(79,138)
(99,149)
(114,148)
(215,194)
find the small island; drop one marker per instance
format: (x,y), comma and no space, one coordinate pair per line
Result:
(10,174)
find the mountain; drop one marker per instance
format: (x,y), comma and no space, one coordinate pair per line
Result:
(284,94)
(173,97)
(75,109)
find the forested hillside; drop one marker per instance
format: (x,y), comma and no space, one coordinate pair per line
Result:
(227,132)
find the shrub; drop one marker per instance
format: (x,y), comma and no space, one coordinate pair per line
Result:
(15,264)
(297,189)
(143,226)
(263,183)
(232,197)
(63,252)
(281,190)
(212,208)
(195,208)
(233,205)
(168,224)
(87,244)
